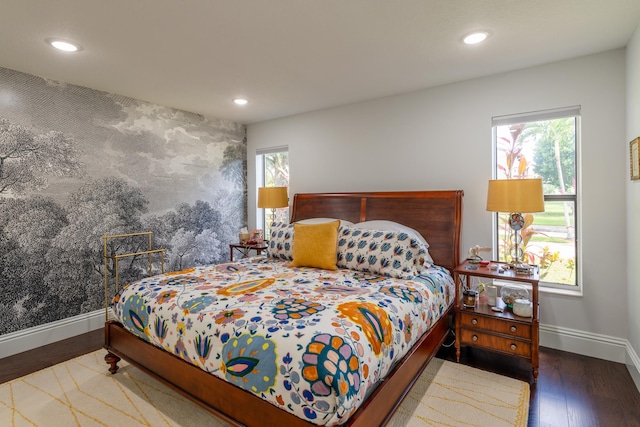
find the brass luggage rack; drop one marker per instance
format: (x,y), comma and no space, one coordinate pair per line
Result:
(117,257)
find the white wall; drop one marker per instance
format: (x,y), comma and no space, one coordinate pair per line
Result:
(441,139)
(633,200)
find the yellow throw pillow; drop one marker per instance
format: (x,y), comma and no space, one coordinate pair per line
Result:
(315,245)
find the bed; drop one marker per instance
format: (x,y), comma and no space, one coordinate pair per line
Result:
(434,214)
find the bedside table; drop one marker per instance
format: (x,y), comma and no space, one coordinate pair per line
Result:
(245,249)
(506,333)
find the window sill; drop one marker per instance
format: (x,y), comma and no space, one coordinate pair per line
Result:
(577,292)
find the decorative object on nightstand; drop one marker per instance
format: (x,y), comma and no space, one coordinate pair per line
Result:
(522,308)
(244,235)
(469,298)
(511,292)
(474,254)
(515,196)
(492,294)
(257,236)
(272,198)
(514,332)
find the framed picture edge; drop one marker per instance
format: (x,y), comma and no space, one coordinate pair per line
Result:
(257,235)
(634,159)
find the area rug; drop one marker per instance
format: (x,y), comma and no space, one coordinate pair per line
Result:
(81,392)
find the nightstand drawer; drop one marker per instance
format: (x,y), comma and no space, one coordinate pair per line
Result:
(495,324)
(495,342)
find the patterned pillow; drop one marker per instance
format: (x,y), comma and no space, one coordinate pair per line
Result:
(395,226)
(389,253)
(281,241)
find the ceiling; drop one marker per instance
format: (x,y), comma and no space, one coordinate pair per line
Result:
(294,56)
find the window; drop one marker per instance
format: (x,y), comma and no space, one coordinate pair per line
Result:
(542,144)
(272,171)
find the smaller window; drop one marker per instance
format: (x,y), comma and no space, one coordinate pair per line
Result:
(272,171)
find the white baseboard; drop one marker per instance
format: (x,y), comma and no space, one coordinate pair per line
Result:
(585,343)
(595,345)
(633,364)
(30,338)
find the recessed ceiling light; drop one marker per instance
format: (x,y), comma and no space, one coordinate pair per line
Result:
(240,101)
(64,45)
(475,37)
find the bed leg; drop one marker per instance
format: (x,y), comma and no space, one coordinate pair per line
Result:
(112,360)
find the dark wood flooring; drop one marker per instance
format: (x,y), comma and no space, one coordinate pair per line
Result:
(572,390)
(21,364)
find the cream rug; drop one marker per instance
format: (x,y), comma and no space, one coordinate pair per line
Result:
(81,392)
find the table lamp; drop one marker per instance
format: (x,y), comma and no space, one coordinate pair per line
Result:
(514,196)
(273,198)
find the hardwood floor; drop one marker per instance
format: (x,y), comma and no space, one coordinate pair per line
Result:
(572,390)
(30,361)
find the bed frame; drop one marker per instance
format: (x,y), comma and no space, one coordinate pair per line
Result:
(437,215)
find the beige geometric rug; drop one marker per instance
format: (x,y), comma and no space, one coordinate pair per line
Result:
(451,394)
(81,392)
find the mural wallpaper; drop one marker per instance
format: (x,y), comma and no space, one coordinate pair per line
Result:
(76,164)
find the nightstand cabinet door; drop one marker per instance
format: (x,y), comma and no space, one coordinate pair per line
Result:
(471,320)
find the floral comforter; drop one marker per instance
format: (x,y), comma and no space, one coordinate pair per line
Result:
(312,342)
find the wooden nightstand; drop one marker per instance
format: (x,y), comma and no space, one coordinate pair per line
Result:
(245,249)
(501,332)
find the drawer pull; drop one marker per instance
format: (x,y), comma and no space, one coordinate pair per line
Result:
(513,346)
(474,338)
(474,321)
(513,329)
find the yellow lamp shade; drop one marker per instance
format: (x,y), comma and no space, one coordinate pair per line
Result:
(273,197)
(515,195)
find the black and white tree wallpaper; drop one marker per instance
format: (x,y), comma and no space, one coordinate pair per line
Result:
(76,164)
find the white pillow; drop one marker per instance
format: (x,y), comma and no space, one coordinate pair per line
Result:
(386,225)
(322,221)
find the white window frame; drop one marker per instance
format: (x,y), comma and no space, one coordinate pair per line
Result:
(573,111)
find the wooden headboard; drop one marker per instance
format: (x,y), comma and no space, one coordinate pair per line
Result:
(437,215)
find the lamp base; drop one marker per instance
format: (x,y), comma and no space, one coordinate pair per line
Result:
(516,222)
